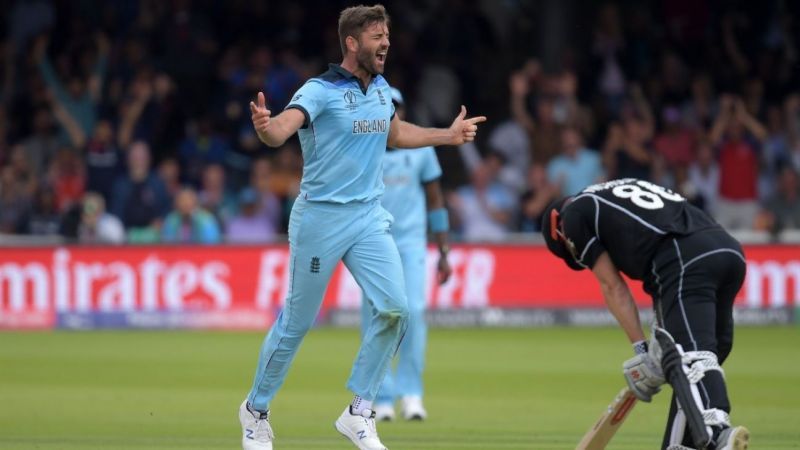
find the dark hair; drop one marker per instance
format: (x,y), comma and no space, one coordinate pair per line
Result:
(557,246)
(353,20)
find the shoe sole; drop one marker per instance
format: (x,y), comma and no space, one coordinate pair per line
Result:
(346,433)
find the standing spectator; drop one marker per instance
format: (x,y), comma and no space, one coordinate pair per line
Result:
(214,194)
(153,113)
(627,152)
(739,137)
(576,167)
(249,226)
(140,199)
(534,201)
(24,173)
(675,143)
(261,181)
(44,218)
(485,207)
(188,223)
(782,210)
(776,150)
(67,177)
(608,47)
(103,159)
(202,147)
(698,111)
(96,225)
(704,176)
(170,174)
(792,112)
(543,129)
(42,144)
(511,140)
(15,203)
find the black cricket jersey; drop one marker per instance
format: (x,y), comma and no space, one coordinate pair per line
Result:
(628,218)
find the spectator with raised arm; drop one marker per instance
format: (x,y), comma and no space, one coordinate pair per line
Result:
(627,152)
(738,136)
(74,102)
(540,124)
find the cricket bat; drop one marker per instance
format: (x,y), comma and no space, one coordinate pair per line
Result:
(601,433)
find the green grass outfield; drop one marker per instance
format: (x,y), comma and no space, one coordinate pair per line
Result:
(487,389)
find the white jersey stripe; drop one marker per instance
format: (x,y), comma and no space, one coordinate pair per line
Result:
(620,208)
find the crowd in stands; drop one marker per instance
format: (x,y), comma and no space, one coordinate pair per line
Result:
(128,121)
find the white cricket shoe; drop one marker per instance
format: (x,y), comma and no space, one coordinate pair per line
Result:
(360,429)
(736,438)
(256,430)
(413,409)
(384,412)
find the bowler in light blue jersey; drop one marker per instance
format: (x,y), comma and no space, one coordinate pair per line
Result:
(345,121)
(413,195)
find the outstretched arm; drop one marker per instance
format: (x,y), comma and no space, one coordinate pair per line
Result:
(71,126)
(403,134)
(751,123)
(274,131)
(95,83)
(618,297)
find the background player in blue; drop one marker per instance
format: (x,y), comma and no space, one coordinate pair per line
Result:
(345,121)
(411,178)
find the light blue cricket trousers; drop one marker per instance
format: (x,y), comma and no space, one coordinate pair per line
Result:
(320,235)
(407,376)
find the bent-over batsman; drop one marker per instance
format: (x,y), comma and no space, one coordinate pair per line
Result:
(691,267)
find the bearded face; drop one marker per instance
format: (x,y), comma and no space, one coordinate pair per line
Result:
(373,46)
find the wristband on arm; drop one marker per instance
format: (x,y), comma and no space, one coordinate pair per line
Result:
(438,220)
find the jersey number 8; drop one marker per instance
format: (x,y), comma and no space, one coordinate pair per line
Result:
(648,198)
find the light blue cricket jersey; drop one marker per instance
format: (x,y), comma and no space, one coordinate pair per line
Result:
(344,136)
(404,173)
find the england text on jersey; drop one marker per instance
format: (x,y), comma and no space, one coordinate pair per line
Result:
(369,126)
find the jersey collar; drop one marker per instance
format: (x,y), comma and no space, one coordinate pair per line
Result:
(347,75)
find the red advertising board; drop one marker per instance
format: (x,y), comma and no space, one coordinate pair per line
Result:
(231,286)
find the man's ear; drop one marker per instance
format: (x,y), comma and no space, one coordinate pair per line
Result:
(351,43)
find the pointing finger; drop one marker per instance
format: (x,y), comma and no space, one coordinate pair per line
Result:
(477,119)
(262,102)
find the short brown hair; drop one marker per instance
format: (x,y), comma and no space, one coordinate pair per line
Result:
(353,20)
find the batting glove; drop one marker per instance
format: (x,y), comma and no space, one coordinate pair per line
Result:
(644,376)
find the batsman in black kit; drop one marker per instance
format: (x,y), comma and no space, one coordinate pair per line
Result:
(692,269)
